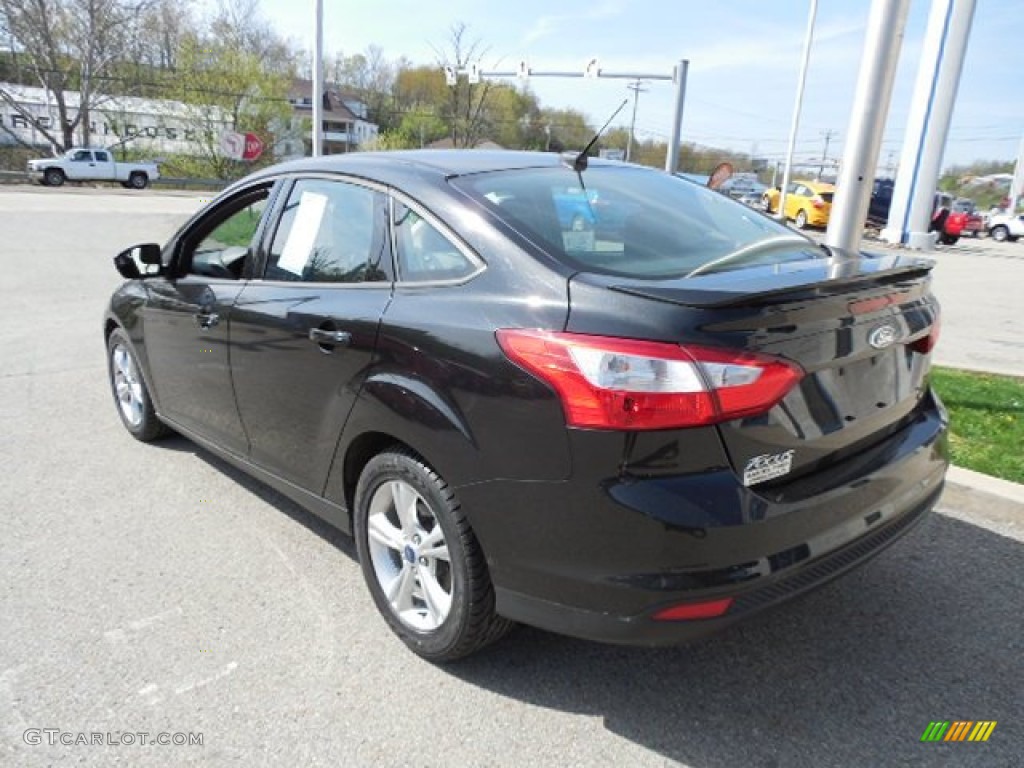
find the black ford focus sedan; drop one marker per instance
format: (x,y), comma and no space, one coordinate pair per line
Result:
(635,425)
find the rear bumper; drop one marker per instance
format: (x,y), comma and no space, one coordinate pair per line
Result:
(597,558)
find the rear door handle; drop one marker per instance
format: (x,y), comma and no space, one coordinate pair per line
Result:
(206,320)
(330,338)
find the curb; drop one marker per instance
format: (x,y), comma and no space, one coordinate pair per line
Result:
(993,486)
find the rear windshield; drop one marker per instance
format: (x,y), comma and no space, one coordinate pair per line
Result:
(634,222)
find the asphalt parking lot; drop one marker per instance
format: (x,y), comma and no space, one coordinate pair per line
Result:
(153,589)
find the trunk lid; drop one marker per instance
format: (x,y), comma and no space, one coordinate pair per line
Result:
(857,326)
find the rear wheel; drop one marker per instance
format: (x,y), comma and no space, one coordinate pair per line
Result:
(801,220)
(423,565)
(138,180)
(134,405)
(53,177)
(999,233)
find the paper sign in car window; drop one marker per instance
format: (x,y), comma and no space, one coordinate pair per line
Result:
(303,233)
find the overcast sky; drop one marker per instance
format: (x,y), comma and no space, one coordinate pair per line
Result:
(744,58)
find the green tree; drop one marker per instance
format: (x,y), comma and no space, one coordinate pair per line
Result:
(225,88)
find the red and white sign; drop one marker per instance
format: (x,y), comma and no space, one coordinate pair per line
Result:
(253,147)
(241,146)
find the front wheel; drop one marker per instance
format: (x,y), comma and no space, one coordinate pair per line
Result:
(423,565)
(53,177)
(134,405)
(999,233)
(801,220)
(947,239)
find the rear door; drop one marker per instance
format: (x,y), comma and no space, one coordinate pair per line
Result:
(303,335)
(103,166)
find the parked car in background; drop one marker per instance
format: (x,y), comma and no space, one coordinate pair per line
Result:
(808,203)
(1006,226)
(962,221)
(746,186)
(636,439)
(86,164)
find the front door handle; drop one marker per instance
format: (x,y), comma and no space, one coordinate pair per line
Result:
(330,338)
(206,320)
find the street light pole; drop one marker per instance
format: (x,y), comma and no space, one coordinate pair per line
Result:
(794,127)
(318,79)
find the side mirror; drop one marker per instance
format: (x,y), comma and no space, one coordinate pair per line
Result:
(127,261)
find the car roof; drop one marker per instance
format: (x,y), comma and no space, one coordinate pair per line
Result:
(442,162)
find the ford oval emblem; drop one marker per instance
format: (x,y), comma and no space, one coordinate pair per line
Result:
(883,336)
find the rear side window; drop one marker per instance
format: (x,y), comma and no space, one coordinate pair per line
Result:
(330,232)
(424,253)
(102,157)
(634,222)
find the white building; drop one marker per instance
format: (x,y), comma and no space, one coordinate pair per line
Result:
(346,123)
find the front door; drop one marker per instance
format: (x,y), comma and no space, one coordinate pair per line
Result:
(80,165)
(188,320)
(303,336)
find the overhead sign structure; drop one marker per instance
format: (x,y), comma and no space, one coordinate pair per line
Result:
(592,71)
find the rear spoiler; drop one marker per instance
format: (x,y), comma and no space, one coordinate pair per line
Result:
(732,289)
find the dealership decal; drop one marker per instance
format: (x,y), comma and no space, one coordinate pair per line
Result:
(768,466)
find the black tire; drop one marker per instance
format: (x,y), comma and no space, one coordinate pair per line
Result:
(138,180)
(147,426)
(999,233)
(766,204)
(53,177)
(801,219)
(470,622)
(948,239)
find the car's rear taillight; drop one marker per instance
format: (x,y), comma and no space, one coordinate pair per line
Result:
(612,383)
(926,344)
(818,203)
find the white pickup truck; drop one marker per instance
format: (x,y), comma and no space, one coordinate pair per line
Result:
(92,165)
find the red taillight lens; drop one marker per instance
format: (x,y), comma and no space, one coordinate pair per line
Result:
(926,344)
(612,383)
(687,611)
(818,203)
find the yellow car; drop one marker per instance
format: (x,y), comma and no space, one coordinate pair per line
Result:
(808,203)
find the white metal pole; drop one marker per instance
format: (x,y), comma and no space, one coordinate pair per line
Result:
(318,79)
(1017,184)
(672,156)
(794,127)
(882,44)
(931,110)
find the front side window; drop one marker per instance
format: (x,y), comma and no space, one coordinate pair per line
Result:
(81,156)
(423,253)
(330,232)
(634,222)
(223,241)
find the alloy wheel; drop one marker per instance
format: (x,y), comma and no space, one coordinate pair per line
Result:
(127,386)
(409,556)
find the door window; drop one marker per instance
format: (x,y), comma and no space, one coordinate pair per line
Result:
(222,244)
(102,157)
(331,232)
(82,156)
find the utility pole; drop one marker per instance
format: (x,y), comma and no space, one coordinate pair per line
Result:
(824,155)
(637,90)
